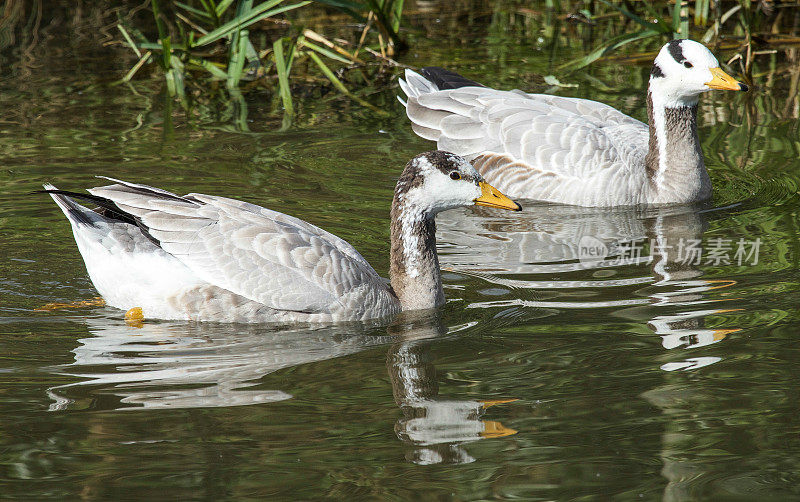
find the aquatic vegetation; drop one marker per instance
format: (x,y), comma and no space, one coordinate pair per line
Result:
(202,42)
(211,53)
(746,25)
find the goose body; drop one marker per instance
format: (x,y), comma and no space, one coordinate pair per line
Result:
(209,258)
(571,150)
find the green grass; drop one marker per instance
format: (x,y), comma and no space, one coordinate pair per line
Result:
(201,42)
(241,45)
(737,20)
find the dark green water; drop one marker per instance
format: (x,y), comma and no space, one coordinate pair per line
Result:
(545,377)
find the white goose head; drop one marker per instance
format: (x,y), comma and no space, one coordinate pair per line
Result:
(683,70)
(433,182)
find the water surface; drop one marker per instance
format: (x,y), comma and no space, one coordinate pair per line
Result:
(583,353)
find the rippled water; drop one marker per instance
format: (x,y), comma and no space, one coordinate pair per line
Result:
(582,354)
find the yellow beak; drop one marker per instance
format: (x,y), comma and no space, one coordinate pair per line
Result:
(492,429)
(724,81)
(492,197)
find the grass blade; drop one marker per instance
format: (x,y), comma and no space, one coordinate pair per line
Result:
(396,11)
(223,6)
(242,16)
(211,10)
(711,31)
(210,68)
(680,19)
(283,76)
(257,14)
(142,60)
(685,18)
(605,49)
(329,74)
(151,46)
(352,9)
(166,52)
(342,4)
(330,45)
(237,59)
(340,86)
(129,40)
(701,12)
(326,52)
(238,48)
(239,111)
(162,32)
(192,10)
(176,84)
(171,85)
(384,24)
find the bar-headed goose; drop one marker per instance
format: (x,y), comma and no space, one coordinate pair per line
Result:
(576,151)
(208,258)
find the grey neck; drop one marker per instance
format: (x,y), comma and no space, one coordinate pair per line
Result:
(674,159)
(414,267)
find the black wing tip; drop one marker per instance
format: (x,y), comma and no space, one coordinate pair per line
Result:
(56,191)
(447,79)
(107,208)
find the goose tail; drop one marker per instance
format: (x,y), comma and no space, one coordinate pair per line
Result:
(77,214)
(415,84)
(432,79)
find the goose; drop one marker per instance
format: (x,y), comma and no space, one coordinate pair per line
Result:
(576,151)
(208,258)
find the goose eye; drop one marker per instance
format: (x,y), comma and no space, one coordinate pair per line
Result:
(687,64)
(455,176)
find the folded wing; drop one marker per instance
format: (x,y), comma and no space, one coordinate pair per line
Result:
(260,254)
(531,145)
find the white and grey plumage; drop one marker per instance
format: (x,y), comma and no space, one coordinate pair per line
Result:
(208,258)
(576,151)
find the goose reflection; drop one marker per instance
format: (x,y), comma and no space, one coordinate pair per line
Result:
(435,428)
(182,365)
(185,365)
(641,264)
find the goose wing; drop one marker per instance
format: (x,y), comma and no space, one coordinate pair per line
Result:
(260,254)
(532,145)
